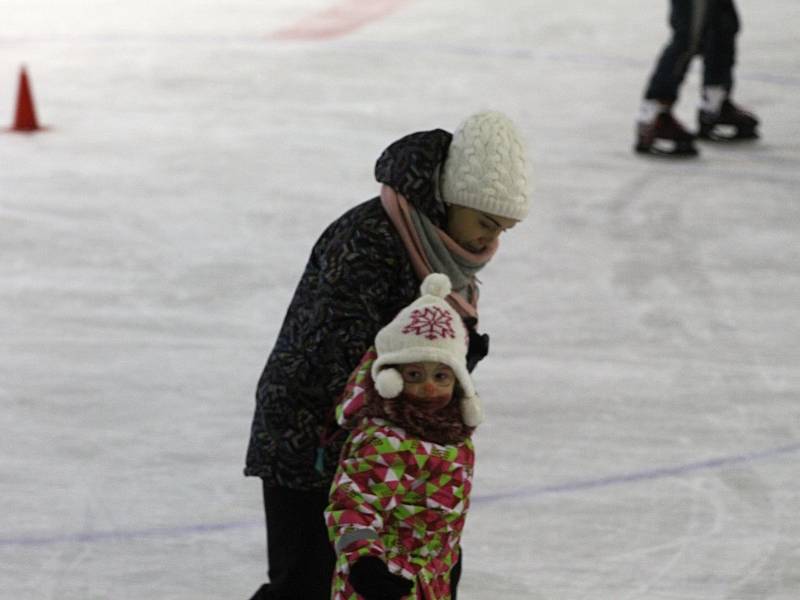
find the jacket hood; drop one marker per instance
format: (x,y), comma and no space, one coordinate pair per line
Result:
(357,392)
(411,166)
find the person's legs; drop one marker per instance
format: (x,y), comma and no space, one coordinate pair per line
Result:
(301,559)
(719,118)
(657,130)
(719,45)
(686,20)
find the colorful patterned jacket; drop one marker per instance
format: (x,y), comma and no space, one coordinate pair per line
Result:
(401,499)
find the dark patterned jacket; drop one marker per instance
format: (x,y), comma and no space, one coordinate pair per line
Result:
(357,279)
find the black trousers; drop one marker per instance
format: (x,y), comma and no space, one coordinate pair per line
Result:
(699,27)
(301,559)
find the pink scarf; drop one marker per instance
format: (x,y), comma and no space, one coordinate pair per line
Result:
(399,211)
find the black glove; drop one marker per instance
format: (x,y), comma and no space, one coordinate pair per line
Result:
(478,344)
(371,578)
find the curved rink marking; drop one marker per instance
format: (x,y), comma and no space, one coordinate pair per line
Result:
(94,537)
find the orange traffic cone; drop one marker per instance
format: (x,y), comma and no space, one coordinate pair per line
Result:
(25,119)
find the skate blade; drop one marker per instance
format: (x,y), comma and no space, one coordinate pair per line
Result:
(728,133)
(672,148)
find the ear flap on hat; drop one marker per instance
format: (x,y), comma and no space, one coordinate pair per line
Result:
(471,410)
(389,383)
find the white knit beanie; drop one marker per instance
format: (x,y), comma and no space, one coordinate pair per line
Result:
(426,330)
(485,167)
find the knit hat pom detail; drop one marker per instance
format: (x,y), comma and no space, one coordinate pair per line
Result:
(389,383)
(471,411)
(436,284)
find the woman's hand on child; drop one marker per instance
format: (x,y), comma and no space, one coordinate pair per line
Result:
(371,578)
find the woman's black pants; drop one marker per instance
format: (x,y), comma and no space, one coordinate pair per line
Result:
(699,27)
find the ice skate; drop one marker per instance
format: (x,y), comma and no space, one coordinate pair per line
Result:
(729,124)
(664,136)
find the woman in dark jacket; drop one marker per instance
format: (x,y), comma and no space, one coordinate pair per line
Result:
(444,201)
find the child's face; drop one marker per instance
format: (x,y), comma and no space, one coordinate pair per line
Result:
(429,383)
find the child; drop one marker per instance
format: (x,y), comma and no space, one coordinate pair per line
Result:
(401,492)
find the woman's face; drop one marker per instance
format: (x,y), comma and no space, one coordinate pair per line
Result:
(474,230)
(430,384)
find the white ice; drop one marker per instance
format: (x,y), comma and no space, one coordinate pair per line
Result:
(643,388)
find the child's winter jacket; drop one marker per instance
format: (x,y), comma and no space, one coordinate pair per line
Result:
(399,498)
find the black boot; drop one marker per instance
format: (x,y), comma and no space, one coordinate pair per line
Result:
(730,123)
(664,136)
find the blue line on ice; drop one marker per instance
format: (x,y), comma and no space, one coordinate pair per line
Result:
(645,475)
(87,537)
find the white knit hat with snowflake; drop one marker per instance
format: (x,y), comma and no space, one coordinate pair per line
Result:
(486,167)
(427,330)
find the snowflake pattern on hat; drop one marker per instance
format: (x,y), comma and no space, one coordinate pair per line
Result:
(431,322)
(428,330)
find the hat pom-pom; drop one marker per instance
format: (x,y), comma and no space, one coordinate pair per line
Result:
(436,284)
(471,411)
(389,383)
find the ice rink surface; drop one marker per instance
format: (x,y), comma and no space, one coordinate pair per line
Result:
(643,389)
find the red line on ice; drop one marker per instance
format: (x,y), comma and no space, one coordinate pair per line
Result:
(340,19)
